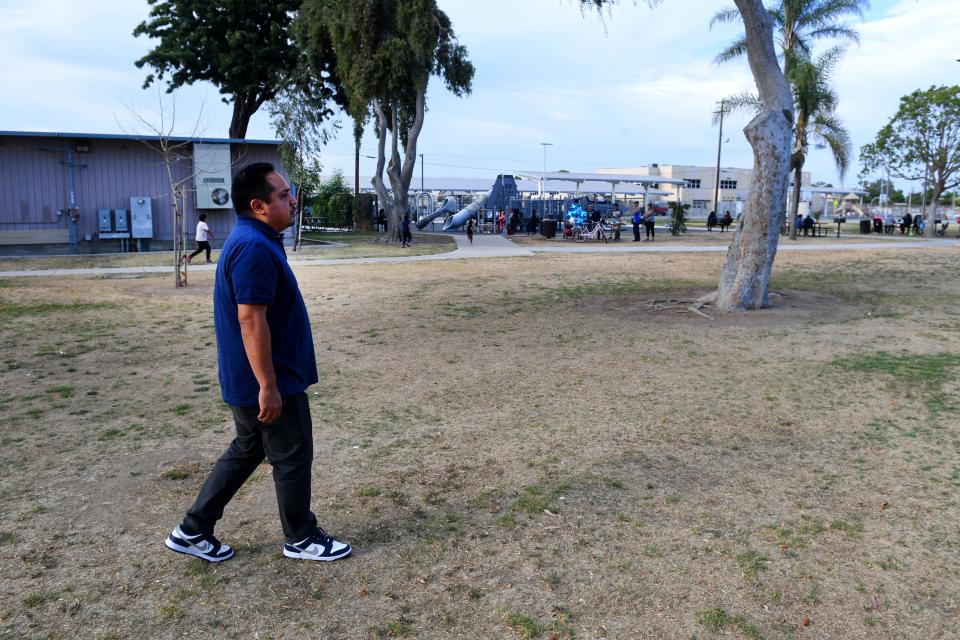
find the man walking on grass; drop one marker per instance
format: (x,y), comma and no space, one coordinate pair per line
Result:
(266,362)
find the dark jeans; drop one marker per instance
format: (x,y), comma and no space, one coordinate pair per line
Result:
(287,444)
(651,232)
(636,232)
(202,245)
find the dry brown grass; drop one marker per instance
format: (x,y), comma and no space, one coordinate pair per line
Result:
(515,448)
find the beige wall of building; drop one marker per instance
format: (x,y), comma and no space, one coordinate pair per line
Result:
(735,185)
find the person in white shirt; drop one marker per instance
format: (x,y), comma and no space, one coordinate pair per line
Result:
(203,239)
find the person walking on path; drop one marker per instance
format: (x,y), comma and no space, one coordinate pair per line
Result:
(637,219)
(203,239)
(470,230)
(648,221)
(266,362)
(407,237)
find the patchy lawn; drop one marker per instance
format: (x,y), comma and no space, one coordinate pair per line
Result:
(328,246)
(546,447)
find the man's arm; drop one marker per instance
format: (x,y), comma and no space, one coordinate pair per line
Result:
(256,342)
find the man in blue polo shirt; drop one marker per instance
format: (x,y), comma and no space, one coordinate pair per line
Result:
(266,361)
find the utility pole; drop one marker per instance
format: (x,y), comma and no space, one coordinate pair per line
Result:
(543,176)
(716,185)
(421,172)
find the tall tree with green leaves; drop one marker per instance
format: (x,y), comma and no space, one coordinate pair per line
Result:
(921,142)
(241,46)
(386,52)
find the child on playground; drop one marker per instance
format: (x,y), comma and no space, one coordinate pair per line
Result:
(470,230)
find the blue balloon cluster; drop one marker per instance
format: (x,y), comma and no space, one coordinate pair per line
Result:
(577,213)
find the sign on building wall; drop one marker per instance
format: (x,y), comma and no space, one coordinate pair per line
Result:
(211,171)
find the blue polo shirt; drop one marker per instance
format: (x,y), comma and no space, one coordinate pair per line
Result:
(253,269)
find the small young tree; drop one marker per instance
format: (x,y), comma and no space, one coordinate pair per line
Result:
(678,217)
(921,142)
(174,152)
(299,115)
(334,202)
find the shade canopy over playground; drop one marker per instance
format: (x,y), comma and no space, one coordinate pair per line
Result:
(613,179)
(466,186)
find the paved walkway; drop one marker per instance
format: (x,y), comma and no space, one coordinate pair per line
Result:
(497,246)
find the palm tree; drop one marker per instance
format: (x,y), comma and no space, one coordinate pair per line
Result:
(815,118)
(815,104)
(797,24)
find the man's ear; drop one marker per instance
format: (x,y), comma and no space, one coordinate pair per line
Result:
(257,207)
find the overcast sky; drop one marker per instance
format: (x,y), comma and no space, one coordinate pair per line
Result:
(633,86)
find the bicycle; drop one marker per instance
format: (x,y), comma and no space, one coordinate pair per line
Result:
(597,233)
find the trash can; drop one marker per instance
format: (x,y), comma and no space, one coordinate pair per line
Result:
(548,228)
(864,226)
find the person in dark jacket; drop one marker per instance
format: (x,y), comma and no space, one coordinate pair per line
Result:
(905,223)
(711,220)
(407,237)
(514,222)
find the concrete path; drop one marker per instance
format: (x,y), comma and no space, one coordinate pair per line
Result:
(497,246)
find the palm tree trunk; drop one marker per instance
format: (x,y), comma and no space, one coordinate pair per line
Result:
(795,205)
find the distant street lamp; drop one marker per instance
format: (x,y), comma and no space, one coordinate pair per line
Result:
(543,176)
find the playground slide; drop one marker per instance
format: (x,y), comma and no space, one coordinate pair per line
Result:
(448,207)
(461,217)
(847,208)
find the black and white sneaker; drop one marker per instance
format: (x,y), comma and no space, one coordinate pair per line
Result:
(319,546)
(199,545)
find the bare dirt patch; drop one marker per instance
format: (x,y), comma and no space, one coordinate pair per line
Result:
(797,309)
(514,448)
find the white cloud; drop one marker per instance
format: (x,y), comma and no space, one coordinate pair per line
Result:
(636,86)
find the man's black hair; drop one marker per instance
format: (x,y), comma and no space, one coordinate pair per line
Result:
(251,183)
(203,217)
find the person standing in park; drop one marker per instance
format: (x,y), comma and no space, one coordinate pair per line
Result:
(711,220)
(648,221)
(406,236)
(266,362)
(470,230)
(203,239)
(637,219)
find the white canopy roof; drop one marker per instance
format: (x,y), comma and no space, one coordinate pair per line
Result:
(609,178)
(480,185)
(829,190)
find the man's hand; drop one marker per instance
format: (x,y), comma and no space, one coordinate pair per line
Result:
(256,342)
(271,404)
